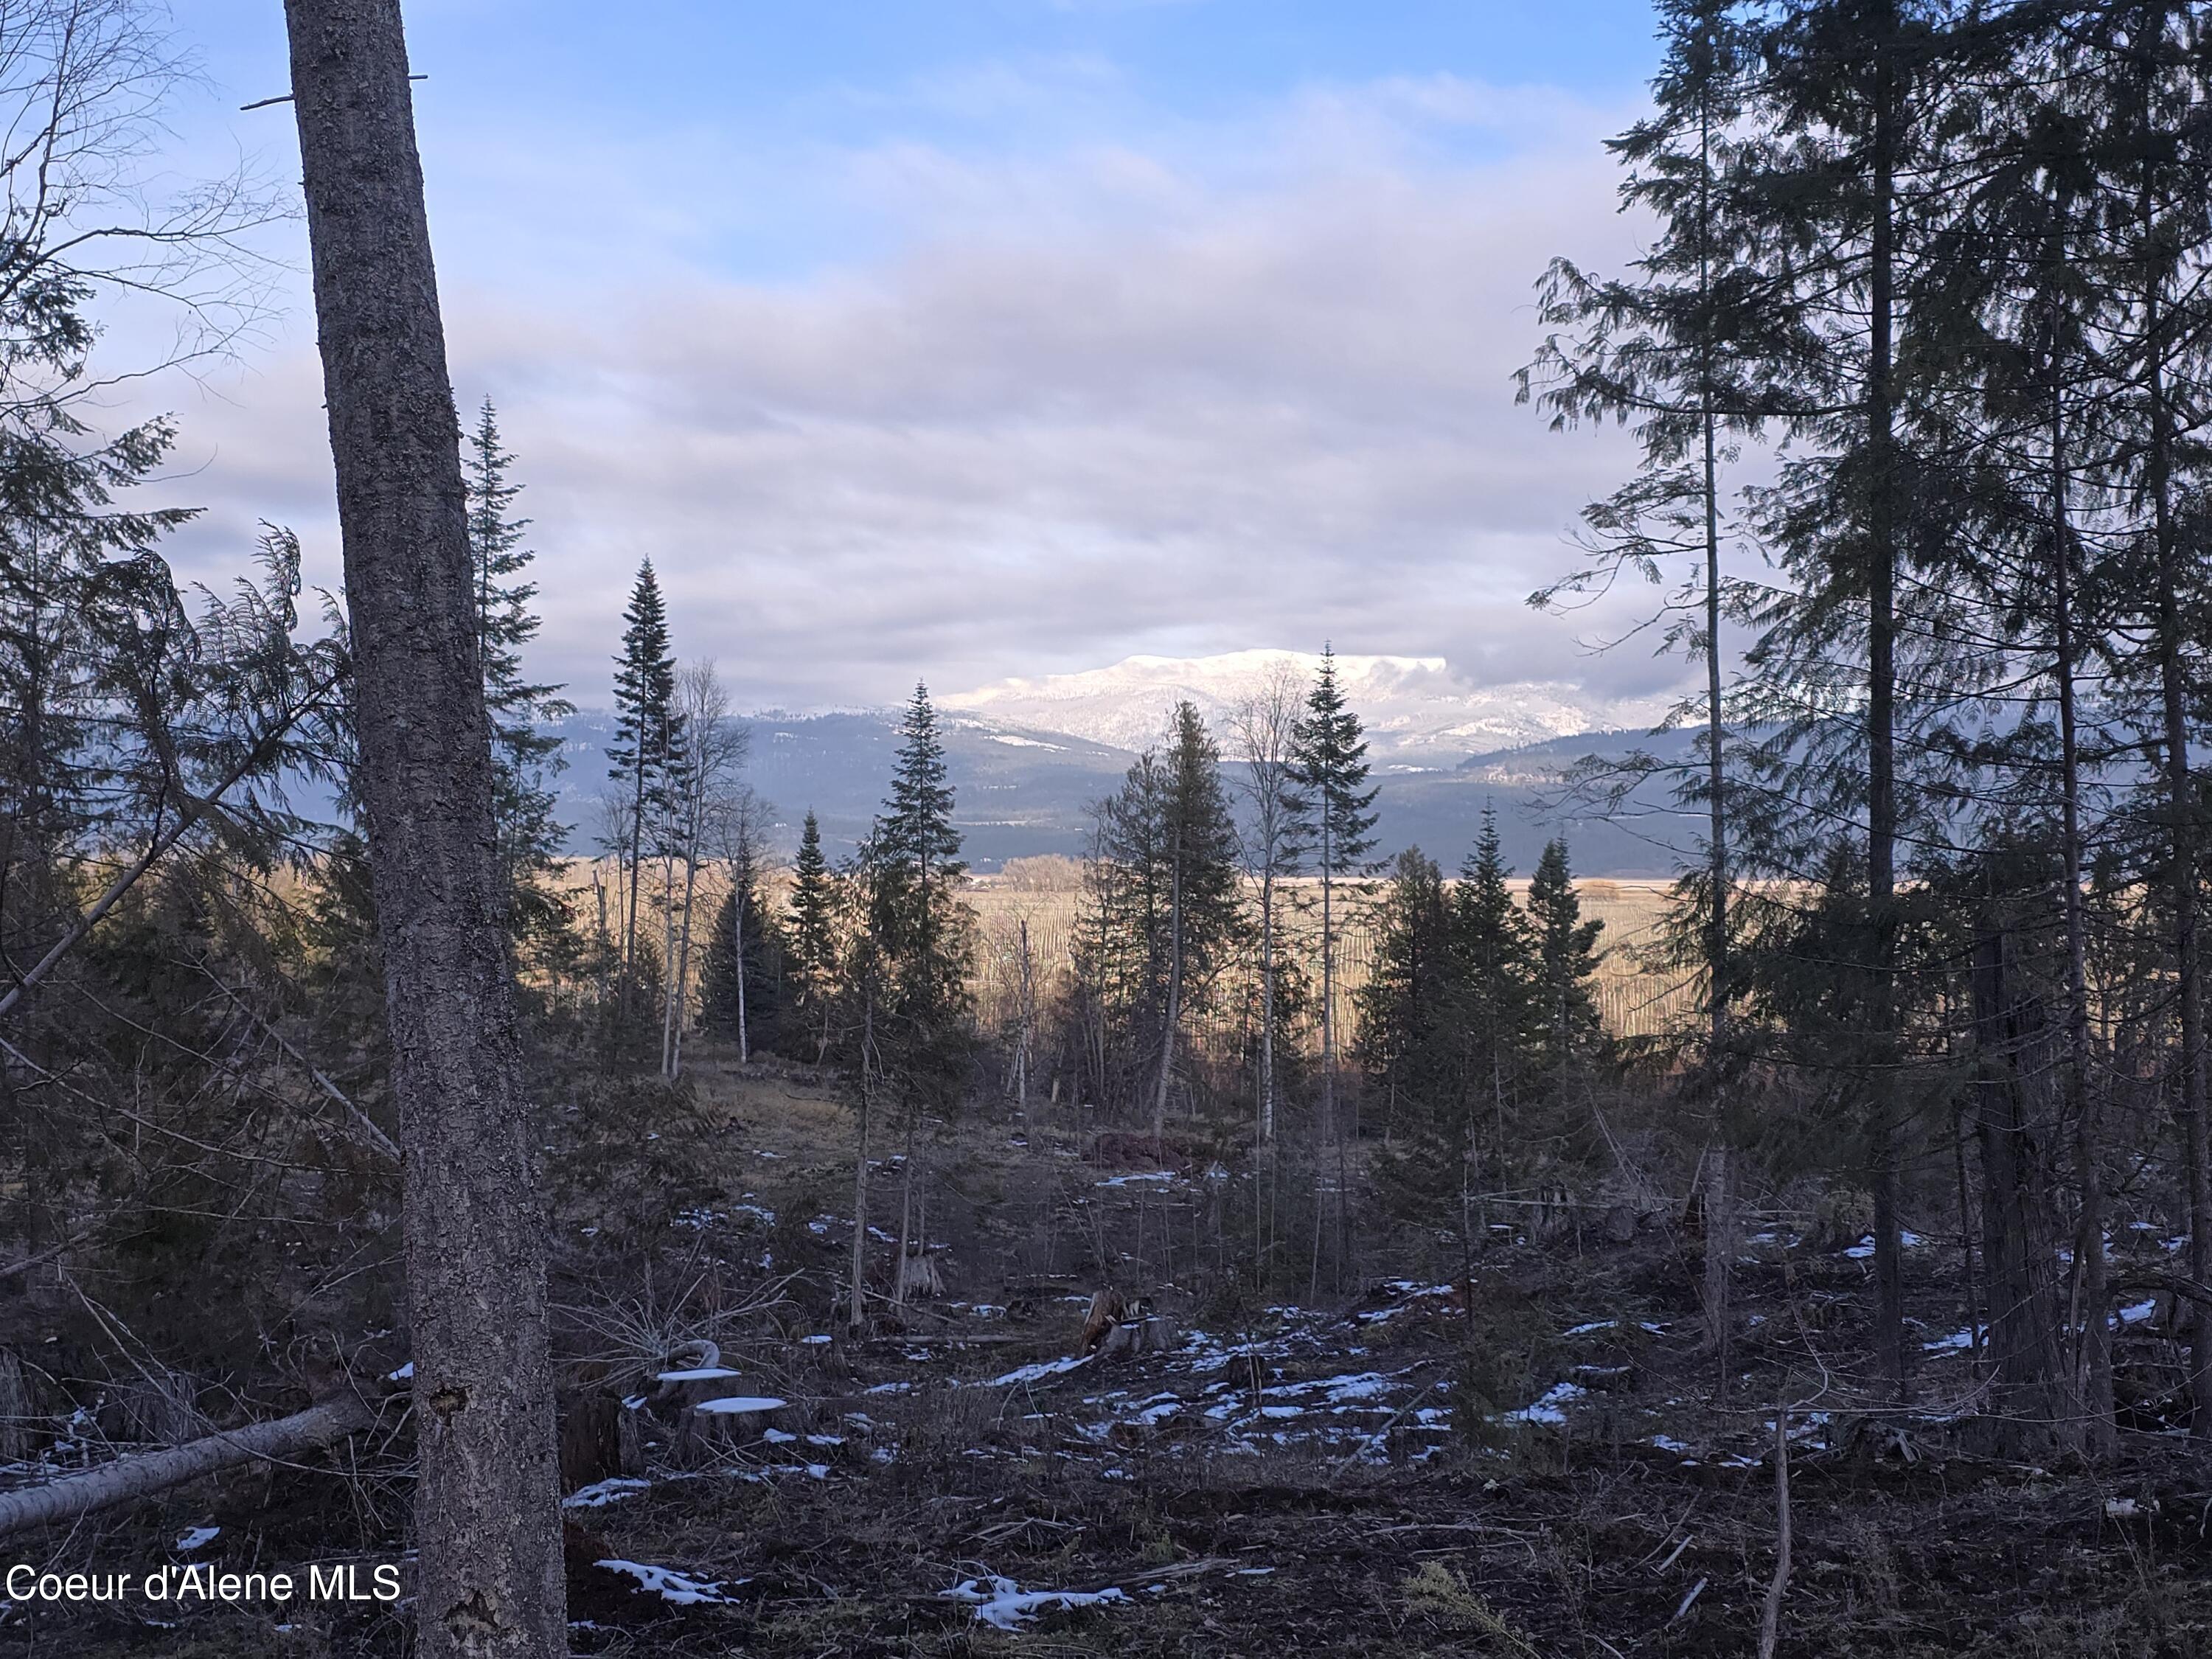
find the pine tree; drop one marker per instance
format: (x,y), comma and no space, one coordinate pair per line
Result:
(810,935)
(916,920)
(1496,983)
(1166,893)
(1404,1038)
(525,758)
(1331,768)
(648,740)
(1568,1033)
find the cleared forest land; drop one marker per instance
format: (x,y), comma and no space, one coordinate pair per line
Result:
(1517,1459)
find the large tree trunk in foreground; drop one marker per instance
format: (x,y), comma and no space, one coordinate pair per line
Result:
(127,1480)
(487,1516)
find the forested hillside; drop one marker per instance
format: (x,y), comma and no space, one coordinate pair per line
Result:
(677,1183)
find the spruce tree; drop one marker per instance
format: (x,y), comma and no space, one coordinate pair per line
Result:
(525,758)
(1405,1039)
(810,935)
(915,917)
(1496,983)
(649,742)
(1564,1012)
(1331,768)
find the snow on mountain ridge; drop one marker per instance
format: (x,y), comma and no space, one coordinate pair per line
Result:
(1408,704)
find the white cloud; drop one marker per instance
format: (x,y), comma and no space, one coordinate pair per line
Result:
(1175,389)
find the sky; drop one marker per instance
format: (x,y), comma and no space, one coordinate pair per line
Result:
(959,339)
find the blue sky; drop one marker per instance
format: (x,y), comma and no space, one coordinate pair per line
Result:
(980,338)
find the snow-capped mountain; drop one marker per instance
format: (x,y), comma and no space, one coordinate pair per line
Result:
(1416,711)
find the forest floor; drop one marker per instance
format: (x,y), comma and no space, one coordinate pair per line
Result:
(1533,1469)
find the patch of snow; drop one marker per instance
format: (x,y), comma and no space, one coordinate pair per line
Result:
(1957,1342)
(815,1341)
(405,1374)
(1013,742)
(1146,1175)
(1042,1368)
(601,1493)
(697,1374)
(1862,1249)
(1005,1605)
(739,1405)
(197,1539)
(681,1589)
(1550,1409)
(1594,1327)
(2139,1312)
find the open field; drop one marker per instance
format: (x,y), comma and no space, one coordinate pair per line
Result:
(1046,893)
(1634,1000)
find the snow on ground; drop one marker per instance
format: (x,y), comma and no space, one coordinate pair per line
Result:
(669,1584)
(1003,1605)
(601,1493)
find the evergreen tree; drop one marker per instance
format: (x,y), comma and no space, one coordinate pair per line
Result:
(649,742)
(1564,1017)
(525,758)
(1681,350)
(1496,980)
(917,921)
(812,939)
(1331,768)
(1407,1007)
(1165,893)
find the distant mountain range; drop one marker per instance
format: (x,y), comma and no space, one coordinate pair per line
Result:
(1416,714)
(1027,758)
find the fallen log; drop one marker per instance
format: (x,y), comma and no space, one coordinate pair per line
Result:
(129,1479)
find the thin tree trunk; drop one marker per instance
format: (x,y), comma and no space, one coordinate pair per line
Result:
(1884,1129)
(1966,1239)
(1770,1617)
(2180,782)
(1328,1128)
(667,963)
(859,1309)
(2092,1276)
(683,959)
(1720,1192)
(1267,1002)
(738,957)
(1175,1007)
(487,1518)
(2024,1353)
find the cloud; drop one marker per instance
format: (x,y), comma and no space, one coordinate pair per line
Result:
(1168,388)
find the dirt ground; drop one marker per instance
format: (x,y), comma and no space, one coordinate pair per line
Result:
(1527,1463)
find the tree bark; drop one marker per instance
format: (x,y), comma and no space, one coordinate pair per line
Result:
(487,1517)
(2015,1247)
